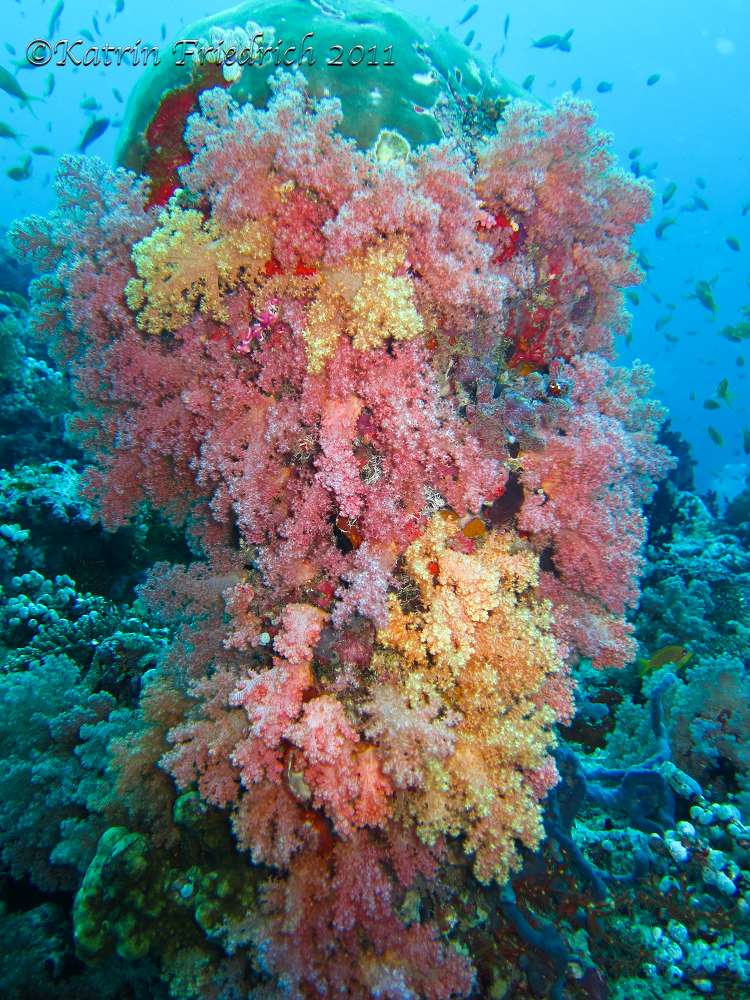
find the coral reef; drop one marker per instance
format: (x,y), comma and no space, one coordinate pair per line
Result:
(335,371)
(355,407)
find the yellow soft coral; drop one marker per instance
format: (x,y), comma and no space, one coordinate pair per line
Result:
(324,327)
(366,299)
(482,640)
(383,307)
(188,262)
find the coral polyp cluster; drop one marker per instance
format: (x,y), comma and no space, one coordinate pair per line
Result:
(479,647)
(378,397)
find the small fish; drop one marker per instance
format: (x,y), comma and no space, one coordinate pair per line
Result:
(119,6)
(96,25)
(635,168)
(42,151)
(54,18)
(10,85)
(733,243)
(528,83)
(746,441)
(117,95)
(49,84)
(96,129)
(700,203)
(711,404)
(469,13)
(87,35)
(163,32)
(474,528)
(506,25)
(701,183)
(635,152)
(736,333)
(715,436)
(90,104)
(676,656)
(10,48)
(657,298)
(22,172)
(705,295)
(722,391)
(547,42)
(644,262)
(663,320)
(604,87)
(564,44)
(664,225)
(6,132)
(746,208)
(672,338)
(469,38)
(628,338)
(576,85)
(632,297)
(669,192)
(654,78)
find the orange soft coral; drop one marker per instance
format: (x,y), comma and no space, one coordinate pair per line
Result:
(481,643)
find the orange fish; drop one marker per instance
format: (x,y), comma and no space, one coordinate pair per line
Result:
(349,530)
(475,528)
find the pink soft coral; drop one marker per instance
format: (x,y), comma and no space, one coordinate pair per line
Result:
(401,436)
(551,174)
(583,496)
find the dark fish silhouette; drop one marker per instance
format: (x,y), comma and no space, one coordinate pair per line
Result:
(95,130)
(664,225)
(22,172)
(469,13)
(547,42)
(54,18)
(11,86)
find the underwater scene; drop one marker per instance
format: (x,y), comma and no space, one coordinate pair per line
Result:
(374,500)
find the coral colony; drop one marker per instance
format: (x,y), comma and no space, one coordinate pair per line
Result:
(375,388)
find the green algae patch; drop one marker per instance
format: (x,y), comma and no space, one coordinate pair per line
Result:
(175,907)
